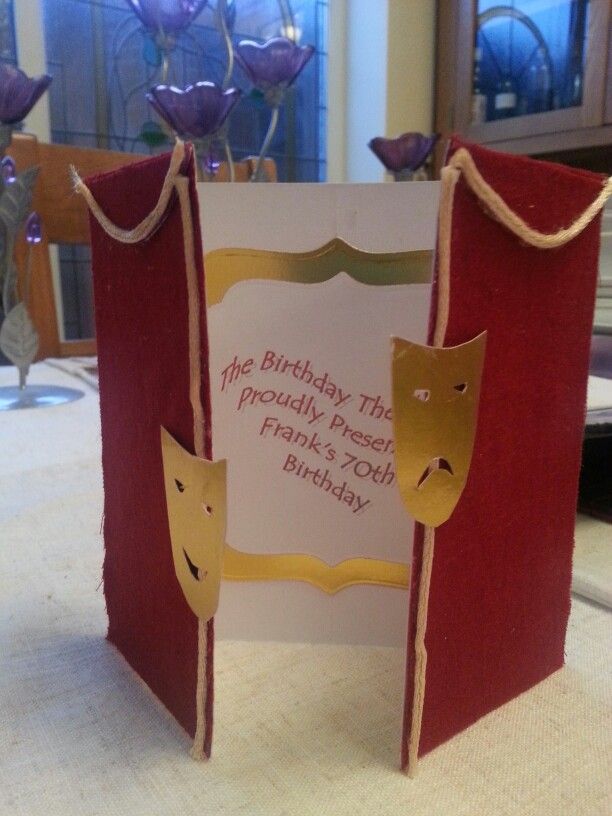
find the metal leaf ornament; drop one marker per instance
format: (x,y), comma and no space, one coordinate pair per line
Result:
(17,198)
(19,340)
(14,208)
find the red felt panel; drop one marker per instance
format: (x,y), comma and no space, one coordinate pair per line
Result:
(500,588)
(143,356)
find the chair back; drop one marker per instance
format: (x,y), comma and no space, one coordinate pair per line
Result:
(65,221)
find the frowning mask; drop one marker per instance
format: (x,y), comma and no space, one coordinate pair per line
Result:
(197,511)
(435,406)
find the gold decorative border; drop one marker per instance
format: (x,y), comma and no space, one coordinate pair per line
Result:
(243,566)
(227,267)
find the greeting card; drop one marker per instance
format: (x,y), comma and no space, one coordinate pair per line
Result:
(313,432)
(299,330)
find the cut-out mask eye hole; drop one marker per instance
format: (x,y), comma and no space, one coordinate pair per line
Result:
(207,509)
(461,387)
(422,394)
(179,486)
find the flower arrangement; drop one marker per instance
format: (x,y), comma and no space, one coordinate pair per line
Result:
(18,337)
(200,111)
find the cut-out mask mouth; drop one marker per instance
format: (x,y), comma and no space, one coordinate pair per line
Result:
(196,502)
(198,573)
(436,392)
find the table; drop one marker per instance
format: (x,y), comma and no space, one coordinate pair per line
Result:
(299,729)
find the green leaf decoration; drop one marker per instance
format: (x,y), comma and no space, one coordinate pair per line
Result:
(19,338)
(256,94)
(151,52)
(152,135)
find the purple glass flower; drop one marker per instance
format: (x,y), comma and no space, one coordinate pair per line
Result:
(196,112)
(408,152)
(211,164)
(33,229)
(275,64)
(19,93)
(171,16)
(8,170)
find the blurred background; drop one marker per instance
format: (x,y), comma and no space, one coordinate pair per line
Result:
(526,76)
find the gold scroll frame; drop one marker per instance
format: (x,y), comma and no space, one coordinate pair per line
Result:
(227,267)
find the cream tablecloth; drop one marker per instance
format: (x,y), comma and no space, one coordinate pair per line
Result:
(299,730)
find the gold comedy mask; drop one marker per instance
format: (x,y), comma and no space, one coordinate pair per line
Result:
(197,511)
(436,392)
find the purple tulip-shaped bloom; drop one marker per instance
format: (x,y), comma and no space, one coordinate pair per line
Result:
(19,93)
(169,16)
(33,229)
(273,65)
(408,152)
(197,111)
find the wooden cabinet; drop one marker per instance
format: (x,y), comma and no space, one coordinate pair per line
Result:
(527,76)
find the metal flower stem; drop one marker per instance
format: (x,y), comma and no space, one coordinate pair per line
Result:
(201,148)
(288,19)
(222,135)
(403,175)
(165,67)
(258,174)
(222,23)
(229,158)
(165,43)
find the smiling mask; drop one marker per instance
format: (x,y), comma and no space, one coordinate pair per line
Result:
(197,510)
(435,405)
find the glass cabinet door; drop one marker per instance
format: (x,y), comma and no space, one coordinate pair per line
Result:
(536,66)
(528,58)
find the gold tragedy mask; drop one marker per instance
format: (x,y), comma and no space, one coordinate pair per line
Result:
(435,406)
(197,511)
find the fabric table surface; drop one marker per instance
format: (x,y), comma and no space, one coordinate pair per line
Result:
(299,729)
